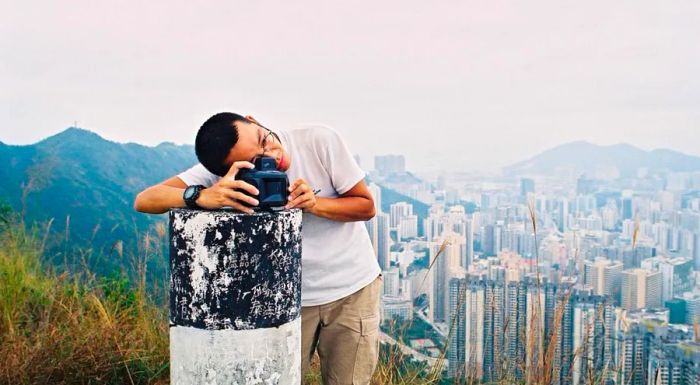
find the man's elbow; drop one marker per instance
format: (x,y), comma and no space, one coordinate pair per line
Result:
(144,204)
(370,212)
(139,203)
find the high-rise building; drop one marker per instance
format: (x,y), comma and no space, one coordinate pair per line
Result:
(474,330)
(562,336)
(634,351)
(373,232)
(603,275)
(674,364)
(456,349)
(692,307)
(376,192)
(585,186)
(391,281)
(408,227)
(676,274)
(497,238)
(641,288)
(527,186)
(534,326)
(446,265)
(677,310)
(487,240)
(524,326)
(494,336)
(593,337)
(515,329)
(627,208)
(372,225)
(562,218)
(400,210)
(646,344)
(383,240)
(396,308)
(389,164)
(469,244)
(696,251)
(421,284)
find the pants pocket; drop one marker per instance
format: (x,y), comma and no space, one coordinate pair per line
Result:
(367,351)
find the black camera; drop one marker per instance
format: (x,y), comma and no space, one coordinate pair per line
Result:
(272,184)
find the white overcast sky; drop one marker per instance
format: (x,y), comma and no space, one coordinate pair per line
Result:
(479,84)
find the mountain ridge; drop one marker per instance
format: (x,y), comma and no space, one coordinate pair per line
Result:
(589,158)
(87,184)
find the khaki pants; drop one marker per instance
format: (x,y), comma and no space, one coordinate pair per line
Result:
(346,334)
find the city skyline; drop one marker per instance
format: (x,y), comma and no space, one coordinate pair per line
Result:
(599,275)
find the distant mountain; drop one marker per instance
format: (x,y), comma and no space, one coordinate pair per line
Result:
(592,159)
(79,174)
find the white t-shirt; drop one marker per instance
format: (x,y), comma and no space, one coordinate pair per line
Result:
(337,257)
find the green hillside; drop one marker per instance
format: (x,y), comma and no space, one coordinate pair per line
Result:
(87,185)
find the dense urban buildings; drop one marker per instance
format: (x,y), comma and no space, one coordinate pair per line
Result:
(577,279)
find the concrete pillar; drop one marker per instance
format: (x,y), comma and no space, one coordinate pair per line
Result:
(235,297)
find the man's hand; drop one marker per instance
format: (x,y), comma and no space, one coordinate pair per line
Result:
(301,196)
(225,193)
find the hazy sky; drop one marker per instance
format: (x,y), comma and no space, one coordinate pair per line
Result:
(480,84)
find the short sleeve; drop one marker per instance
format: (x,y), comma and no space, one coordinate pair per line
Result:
(341,166)
(197,175)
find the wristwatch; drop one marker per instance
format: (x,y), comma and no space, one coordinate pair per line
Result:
(191,195)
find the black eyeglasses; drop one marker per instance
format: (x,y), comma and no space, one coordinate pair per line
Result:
(264,141)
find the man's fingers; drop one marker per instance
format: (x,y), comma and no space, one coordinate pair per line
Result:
(300,190)
(241,197)
(296,201)
(232,184)
(237,166)
(241,185)
(238,206)
(296,183)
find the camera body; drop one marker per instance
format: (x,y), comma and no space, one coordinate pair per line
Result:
(272,184)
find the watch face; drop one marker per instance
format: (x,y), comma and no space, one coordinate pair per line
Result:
(189,192)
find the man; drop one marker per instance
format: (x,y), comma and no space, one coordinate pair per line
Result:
(340,275)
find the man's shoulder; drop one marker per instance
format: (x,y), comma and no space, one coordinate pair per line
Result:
(198,174)
(312,130)
(316,135)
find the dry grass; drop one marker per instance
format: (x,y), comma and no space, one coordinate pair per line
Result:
(74,329)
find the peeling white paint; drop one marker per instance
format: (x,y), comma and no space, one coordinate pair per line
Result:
(203,257)
(226,357)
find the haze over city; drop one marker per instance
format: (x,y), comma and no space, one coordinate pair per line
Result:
(465,85)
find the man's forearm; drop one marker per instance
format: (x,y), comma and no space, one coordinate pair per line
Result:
(159,199)
(344,209)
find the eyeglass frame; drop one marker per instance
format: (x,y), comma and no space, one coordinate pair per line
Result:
(263,142)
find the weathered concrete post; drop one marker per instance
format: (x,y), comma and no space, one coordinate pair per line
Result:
(235,297)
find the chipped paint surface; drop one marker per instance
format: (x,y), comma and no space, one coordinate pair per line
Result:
(235,271)
(235,297)
(259,356)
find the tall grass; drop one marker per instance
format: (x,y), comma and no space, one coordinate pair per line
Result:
(73,328)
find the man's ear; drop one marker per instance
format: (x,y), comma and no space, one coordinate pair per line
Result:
(252,119)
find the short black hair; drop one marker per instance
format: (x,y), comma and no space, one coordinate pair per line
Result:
(214,141)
